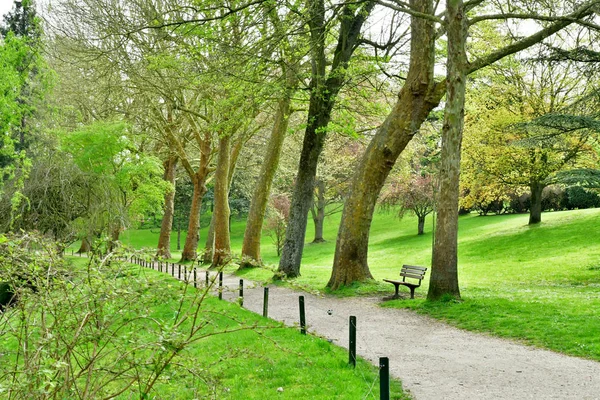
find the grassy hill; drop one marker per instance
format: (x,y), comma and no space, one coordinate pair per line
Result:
(539,284)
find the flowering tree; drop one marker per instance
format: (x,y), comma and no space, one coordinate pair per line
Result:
(415,195)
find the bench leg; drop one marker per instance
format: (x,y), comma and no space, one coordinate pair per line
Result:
(412,292)
(397,295)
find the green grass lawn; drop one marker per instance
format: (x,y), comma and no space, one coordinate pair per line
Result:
(538,284)
(235,355)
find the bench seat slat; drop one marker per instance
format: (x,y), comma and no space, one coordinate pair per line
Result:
(411,267)
(419,277)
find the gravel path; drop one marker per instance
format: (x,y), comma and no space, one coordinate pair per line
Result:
(435,361)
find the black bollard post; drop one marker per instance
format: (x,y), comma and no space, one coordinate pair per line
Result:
(352,341)
(221,285)
(266,303)
(302,316)
(241,299)
(207,278)
(195,282)
(384,378)
(179,271)
(185,274)
(173,270)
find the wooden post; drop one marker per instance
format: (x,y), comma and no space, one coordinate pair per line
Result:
(384,378)
(221,285)
(241,299)
(302,316)
(352,341)
(266,302)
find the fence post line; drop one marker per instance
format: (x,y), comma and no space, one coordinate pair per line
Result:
(302,316)
(172,270)
(352,341)
(384,378)
(266,302)
(178,272)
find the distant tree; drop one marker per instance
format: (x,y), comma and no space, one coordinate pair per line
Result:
(130,184)
(415,195)
(276,223)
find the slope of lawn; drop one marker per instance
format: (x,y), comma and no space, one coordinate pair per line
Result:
(539,284)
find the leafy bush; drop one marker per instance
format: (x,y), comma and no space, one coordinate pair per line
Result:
(578,197)
(94,330)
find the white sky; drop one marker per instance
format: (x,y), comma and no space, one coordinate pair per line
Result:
(5,6)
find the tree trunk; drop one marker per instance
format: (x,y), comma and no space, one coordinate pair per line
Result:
(416,99)
(324,90)
(535,213)
(421,225)
(178,235)
(222,249)
(164,239)
(115,232)
(86,245)
(444,269)
(209,246)
(256,215)
(318,211)
(190,248)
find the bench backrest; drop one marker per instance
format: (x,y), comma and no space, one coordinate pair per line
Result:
(412,271)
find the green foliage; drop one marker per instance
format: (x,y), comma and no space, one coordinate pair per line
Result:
(105,328)
(130,183)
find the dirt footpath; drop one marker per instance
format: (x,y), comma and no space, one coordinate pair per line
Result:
(433,360)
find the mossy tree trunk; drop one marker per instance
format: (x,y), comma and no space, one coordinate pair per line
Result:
(418,97)
(222,249)
(324,88)
(444,272)
(260,198)
(166,226)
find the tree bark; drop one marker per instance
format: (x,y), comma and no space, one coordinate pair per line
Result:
(164,239)
(256,215)
(318,211)
(190,247)
(535,212)
(416,99)
(209,246)
(421,225)
(86,245)
(222,248)
(322,98)
(444,272)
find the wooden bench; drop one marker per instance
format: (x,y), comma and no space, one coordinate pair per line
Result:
(412,272)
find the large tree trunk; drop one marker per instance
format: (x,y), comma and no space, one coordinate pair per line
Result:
(164,239)
(190,248)
(324,90)
(417,98)
(222,249)
(444,268)
(256,215)
(318,211)
(535,212)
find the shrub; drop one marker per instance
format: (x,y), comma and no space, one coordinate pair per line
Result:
(578,197)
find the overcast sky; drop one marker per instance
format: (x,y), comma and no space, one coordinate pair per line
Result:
(5,6)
